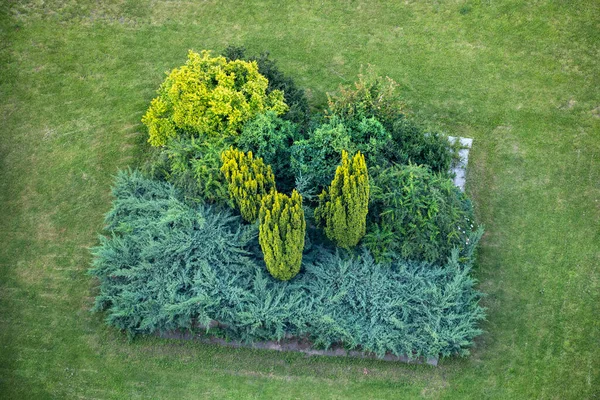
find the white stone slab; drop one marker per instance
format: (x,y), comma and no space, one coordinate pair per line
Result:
(460,169)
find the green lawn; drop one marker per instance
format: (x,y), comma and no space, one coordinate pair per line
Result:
(520,77)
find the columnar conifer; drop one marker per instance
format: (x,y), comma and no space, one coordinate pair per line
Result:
(343,208)
(249,181)
(281,233)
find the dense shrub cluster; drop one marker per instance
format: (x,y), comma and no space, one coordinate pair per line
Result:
(200,110)
(233,135)
(168,265)
(298,110)
(419,215)
(376,97)
(209,96)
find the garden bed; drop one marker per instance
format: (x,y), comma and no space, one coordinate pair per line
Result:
(305,346)
(340,234)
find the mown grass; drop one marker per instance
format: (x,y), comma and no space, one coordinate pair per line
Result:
(521,78)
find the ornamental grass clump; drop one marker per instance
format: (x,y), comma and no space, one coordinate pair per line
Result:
(249,179)
(344,206)
(281,233)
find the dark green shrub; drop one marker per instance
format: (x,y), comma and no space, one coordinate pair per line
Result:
(295,97)
(417,214)
(270,137)
(193,166)
(376,97)
(411,143)
(317,157)
(166,265)
(370,138)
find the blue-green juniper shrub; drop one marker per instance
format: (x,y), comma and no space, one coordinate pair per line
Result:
(169,265)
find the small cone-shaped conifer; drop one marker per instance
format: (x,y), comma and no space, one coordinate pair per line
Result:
(343,208)
(281,233)
(249,181)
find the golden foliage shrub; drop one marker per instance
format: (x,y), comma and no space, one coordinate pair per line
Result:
(281,234)
(209,96)
(343,208)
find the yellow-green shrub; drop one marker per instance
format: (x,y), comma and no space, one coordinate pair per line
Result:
(281,233)
(209,96)
(343,208)
(249,181)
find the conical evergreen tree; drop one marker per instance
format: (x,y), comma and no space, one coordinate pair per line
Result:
(343,208)
(281,233)
(249,181)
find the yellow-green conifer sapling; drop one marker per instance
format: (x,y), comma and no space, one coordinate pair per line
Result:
(343,208)
(281,233)
(249,180)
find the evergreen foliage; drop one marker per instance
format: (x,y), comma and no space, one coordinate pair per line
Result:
(411,143)
(193,166)
(295,98)
(249,180)
(207,97)
(371,96)
(317,157)
(418,215)
(166,265)
(343,208)
(157,244)
(270,137)
(171,263)
(376,97)
(281,233)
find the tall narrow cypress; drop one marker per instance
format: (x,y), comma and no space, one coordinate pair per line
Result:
(281,233)
(343,209)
